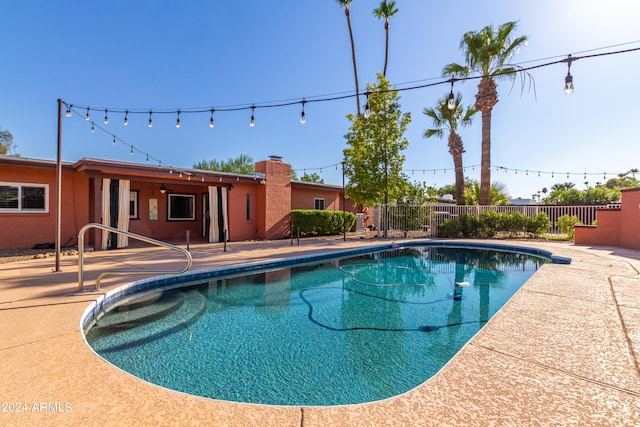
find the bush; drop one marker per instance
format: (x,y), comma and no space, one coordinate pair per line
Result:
(488,224)
(320,222)
(565,224)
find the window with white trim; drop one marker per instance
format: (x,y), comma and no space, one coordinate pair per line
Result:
(181,207)
(318,204)
(22,197)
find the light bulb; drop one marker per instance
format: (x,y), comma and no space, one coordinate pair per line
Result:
(211,123)
(131,152)
(303,117)
(106,117)
(252,123)
(451,104)
(87,117)
(568,84)
(126,117)
(178,120)
(114,140)
(150,120)
(93,129)
(367,111)
(68,113)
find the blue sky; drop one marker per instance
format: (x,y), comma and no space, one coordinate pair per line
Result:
(161,55)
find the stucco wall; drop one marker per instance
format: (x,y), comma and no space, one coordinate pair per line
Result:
(24,230)
(620,227)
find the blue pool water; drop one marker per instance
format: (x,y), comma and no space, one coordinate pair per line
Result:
(336,332)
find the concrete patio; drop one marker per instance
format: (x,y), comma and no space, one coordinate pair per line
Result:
(563,351)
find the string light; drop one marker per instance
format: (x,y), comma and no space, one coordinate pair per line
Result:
(126,117)
(150,120)
(114,140)
(68,113)
(252,123)
(93,129)
(87,117)
(106,117)
(367,110)
(303,116)
(211,124)
(568,81)
(178,120)
(131,152)
(451,104)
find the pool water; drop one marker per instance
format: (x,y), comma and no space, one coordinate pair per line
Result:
(337,332)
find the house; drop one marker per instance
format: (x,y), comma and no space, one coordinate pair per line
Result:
(155,201)
(616,226)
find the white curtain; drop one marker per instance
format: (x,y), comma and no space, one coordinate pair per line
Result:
(124,198)
(219,221)
(123,211)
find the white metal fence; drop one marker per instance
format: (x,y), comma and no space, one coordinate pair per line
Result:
(412,221)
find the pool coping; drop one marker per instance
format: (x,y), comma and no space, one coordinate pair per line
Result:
(518,370)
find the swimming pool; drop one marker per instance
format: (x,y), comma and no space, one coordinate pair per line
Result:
(337,331)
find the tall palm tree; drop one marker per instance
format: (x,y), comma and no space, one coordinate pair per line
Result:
(346,4)
(386,10)
(487,53)
(443,119)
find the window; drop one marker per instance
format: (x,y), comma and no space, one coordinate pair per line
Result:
(181,207)
(318,204)
(17,197)
(249,207)
(133,204)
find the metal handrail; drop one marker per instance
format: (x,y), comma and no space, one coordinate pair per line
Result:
(126,233)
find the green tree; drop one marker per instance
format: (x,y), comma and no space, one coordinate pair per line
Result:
(373,160)
(498,193)
(385,11)
(346,4)
(7,147)
(487,53)
(443,118)
(313,177)
(243,164)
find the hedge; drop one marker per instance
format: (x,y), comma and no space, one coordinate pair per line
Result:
(320,222)
(489,224)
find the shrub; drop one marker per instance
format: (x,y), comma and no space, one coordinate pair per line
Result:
(565,224)
(488,224)
(320,222)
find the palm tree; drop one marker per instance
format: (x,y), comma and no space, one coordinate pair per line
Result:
(487,53)
(345,4)
(443,119)
(386,10)
(633,172)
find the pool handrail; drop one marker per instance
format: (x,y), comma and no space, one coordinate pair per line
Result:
(129,234)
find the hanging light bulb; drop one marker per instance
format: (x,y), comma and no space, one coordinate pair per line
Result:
(87,117)
(131,152)
(451,104)
(303,116)
(211,123)
(367,110)
(68,113)
(178,120)
(252,123)
(106,117)
(568,81)
(126,117)
(150,120)
(93,129)
(147,158)
(114,140)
